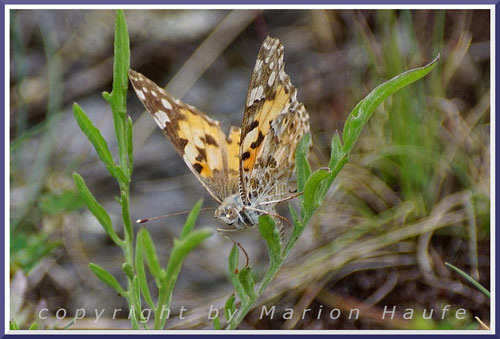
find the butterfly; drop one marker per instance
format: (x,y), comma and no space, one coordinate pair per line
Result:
(246,172)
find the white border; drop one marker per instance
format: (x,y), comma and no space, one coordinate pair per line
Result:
(7,170)
(246,6)
(492,169)
(8,8)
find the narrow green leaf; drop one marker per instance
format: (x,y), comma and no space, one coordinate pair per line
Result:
(13,325)
(121,63)
(234,271)
(141,272)
(149,252)
(133,321)
(179,252)
(246,279)
(470,279)
(95,137)
(107,278)
(120,175)
(117,98)
(33,327)
(337,160)
(312,193)
(268,231)
(295,217)
(182,248)
(229,307)
(127,269)
(216,323)
(136,296)
(365,108)
(302,167)
(337,153)
(97,210)
(191,219)
(297,230)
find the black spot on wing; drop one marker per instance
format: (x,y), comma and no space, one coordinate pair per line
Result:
(198,167)
(182,143)
(253,125)
(202,155)
(257,142)
(209,140)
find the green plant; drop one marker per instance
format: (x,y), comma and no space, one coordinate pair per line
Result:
(314,186)
(13,326)
(470,279)
(144,250)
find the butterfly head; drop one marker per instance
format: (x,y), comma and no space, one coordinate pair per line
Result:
(233,213)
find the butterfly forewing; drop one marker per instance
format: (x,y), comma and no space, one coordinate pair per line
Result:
(198,139)
(273,123)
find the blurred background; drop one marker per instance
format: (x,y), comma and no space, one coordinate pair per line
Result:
(414,195)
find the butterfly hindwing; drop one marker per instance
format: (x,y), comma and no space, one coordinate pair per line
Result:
(273,123)
(198,139)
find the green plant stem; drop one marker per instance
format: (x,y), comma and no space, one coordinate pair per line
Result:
(315,185)
(266,280)
(162,300)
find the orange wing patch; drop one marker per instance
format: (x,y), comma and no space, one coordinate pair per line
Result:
(198,139)
(202,148)
(261,125)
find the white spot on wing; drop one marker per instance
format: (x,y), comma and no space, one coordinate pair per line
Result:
(255,94)
(166,104)
(258,65)
(161,119)
(154,94)
(190,151)
(260,93)
(280,61)
(270,81)
(141,95)
(144,89)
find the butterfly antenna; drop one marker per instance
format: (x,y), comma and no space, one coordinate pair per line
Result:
(142,221)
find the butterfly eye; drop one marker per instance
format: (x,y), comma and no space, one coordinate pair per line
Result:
(231,213)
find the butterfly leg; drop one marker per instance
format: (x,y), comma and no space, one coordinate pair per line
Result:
(280,200)
(220,230)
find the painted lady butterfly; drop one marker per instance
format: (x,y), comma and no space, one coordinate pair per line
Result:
(248,171)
